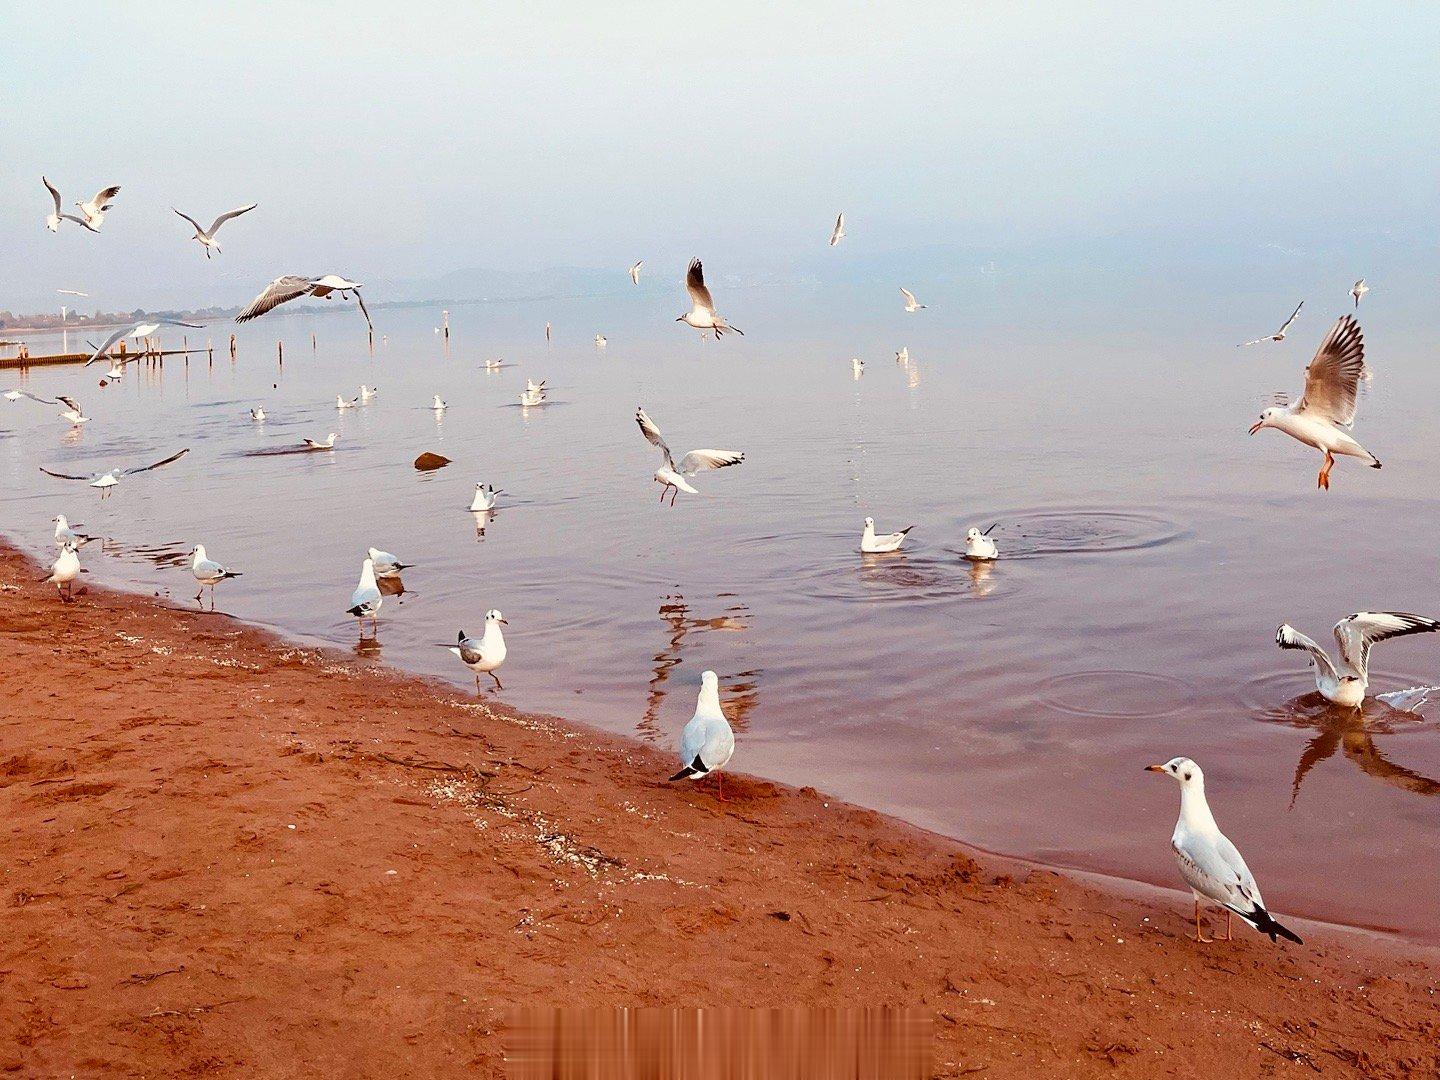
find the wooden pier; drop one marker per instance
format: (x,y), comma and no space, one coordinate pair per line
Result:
(80,358)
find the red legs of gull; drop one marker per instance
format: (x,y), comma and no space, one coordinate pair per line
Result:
(1324,479)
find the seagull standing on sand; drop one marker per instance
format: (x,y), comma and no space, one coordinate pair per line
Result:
(63,572)
(365,601)
(108,479)
(672,476)
(635,272)
(328,443)
(387,565)
(1279,335)
(911,304)
(94,210)
(1209,862)
(979,547)
(52,222)
(206,237)
(293,286)
(208,572)
(483,655)
(1356,635)
(880,545)
(707,741)
(1358,290)
(838,233)
(702,314)
(137,330)
(1326,410)
(65,533)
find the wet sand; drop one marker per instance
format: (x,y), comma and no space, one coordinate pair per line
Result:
(228,856)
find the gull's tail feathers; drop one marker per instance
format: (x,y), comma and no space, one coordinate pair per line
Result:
(697,768)
(1264,922)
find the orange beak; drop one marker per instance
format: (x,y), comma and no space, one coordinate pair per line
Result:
(1256,427)
(1154,768)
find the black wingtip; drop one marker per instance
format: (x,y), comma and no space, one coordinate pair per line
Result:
(357,611)
(683,774)
(1266,924)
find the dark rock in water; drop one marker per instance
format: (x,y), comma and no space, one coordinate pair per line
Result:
(428,462)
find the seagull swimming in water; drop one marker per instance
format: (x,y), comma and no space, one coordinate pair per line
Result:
(1326,410)
(367,393)
(137,330)
(438,404)
(529,398)
(483,655)
(1356,635)
(257,414)
(979,547)
(872,544)
(707,742)
(702,314)
(838,233)
(484,500)
(206,237)
(328,443)
(1209,862)
(52,222)
(108,479)
(672,476)
(911,304)
(635,272)
(94,210)
(1278,335)
(343,403)
(293,286)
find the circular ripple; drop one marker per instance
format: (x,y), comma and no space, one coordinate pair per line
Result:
(1029,534)
(1119,695)
(905,578)
(1290,697)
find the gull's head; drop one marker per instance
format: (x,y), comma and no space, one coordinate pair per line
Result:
(974,534)
(59,519)
(494,616)
(198,551)
(1185,771)
(709,680)
(1267,418)
(869,523)
(374,553)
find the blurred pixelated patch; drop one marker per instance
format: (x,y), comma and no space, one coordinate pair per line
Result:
(718,1044)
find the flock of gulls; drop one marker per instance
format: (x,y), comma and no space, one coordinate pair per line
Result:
(1209,863)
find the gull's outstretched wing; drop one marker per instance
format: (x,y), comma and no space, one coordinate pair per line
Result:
(53,194)
(635,271)
(695,286)
(69,403)
(228,215)
(1287,637)
(61,475)
(280,291)
(696,460)
(364,311)
(16,395)
(156,465)
(190,219)
(104,195)
(1286,325)
(653,436)
(1357,633)
(838,231)
(1333,377)
(110,343)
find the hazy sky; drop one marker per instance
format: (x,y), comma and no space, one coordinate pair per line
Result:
(392,141)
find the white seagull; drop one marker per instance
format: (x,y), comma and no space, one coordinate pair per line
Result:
(600,341)
(903,356)
(138,330)
(387,565)
(707,742)
(1356,634)
(484,500)
(343,403)
(532,397)
(367,393)
(483,654)
(857,366)
(879,545)
(702,314)
(208,572)
(52,222)
(979,547)
(911,304)
(1209,862)
(672,476)
(1278,335)
(63,572)
(293,286)
(327,443)
(94,210)
(72,411)
(635,272)
(1326,410)
(838,233)
(257,414)
(533,387)
(206,237)
(365,601)
(438,404)
(1358,290)
(65,533)
(108,479)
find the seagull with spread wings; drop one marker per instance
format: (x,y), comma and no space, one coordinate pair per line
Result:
(138,330)
(1278,335)
(672,476)
(702,314)
(1324,414)
(635,272)
(108,479)
(293,286)
(52,221)
(206,237)
(1356,634)
(94,210)
(911,304)
(838,233)
(1358,290)
(17,394)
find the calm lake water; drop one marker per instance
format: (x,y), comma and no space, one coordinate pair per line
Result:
(1149,548)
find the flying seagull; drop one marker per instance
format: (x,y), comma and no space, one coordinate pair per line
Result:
(206,237)
(293,286)
(672,476)
(72,411)
(52,221)
(1278,335)
(635,272)
(1358,290)
(1356,635)
(483,655)
(1209,862)
(17,394)
(911,304)
(702,315)
(838,233)
(108,479)
(1326,411)
(94,210)
(707,742)
(872,544)
(139,330)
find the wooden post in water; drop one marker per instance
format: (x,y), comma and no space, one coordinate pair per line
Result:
(313,345)
(445,315)
(280,353)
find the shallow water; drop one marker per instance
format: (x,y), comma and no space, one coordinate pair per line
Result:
(1149,552)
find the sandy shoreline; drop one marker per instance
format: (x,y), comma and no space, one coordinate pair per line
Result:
(226,855)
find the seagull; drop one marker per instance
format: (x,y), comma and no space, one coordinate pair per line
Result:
(483,654)
(484,500)
(17,394)
(672,476)
(702,315)
(293,286)
(72,411)
(139,330)
(903,356)
(341,403)
(600,341)
(533,387)
(1326,410)
(1355,634)
(117,369)
(857,366)
(910,302)
(367,393)
(635,272)
(208,572)
(707,741)
(108,479)
(65,533)
(879,545)
(438,404)
(979,547)
(52,222)
(328,443)
(495,365)
(207,236)
(387,565)
(838,233)
(63,572)
(365,601)
(1358,290)
(1209,862)
(94,210)
(257,414)
(1279,335)
(532,397)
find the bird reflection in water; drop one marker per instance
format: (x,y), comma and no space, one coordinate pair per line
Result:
(739,693)
(981,578)
(482,522)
